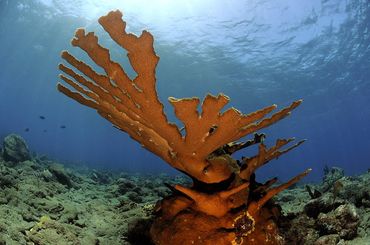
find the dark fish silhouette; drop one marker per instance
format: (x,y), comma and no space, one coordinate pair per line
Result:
(42,117)
(62,126)
(45,130)
(26,129)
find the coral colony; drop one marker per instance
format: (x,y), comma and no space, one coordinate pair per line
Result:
(225,204)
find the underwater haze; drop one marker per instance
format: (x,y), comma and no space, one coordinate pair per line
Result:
(258,52)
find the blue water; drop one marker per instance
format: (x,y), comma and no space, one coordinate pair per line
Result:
(258,52)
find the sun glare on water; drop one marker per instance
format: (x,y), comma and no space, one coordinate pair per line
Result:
(146,9)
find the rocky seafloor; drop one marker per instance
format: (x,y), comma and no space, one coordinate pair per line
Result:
(45,202)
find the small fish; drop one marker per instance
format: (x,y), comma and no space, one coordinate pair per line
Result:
(62,126)
(26,129)
(45,130)
(42,117)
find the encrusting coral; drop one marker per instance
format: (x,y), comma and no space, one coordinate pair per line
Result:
(225,204)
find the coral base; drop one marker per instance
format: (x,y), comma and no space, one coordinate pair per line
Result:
(191,227)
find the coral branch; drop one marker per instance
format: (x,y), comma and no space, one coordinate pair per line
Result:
(118,98)
(228,125)
(265,186)
(255,206)
(233,147)
(215,204)
(132,105)
(250,165)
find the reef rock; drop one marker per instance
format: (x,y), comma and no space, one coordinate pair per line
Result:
(343,221)
(356,190)
(15,149)
(331,175)
(6,180)
(339,216)
(124,185)
(328,240)
(60,174)
(323,204)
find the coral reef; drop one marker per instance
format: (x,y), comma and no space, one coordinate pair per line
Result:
(225,204)
(337,216)
(344,221)
(35,208)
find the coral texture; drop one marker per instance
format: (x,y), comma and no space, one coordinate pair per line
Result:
(15,149)
(225,204)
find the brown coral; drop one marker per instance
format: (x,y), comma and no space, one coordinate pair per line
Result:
(225,204)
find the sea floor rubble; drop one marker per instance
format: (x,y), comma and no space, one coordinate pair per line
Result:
(45,202)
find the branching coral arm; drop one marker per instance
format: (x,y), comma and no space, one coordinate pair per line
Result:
(216,204)
(126,103)
(144,61)
(250,165)
(233,126)
(255,206)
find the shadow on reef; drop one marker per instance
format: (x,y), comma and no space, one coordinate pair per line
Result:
(100,207)
(225,204)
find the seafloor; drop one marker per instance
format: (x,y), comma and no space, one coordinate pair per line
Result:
(45,202)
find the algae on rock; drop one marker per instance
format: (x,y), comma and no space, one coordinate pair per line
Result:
(15,149)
